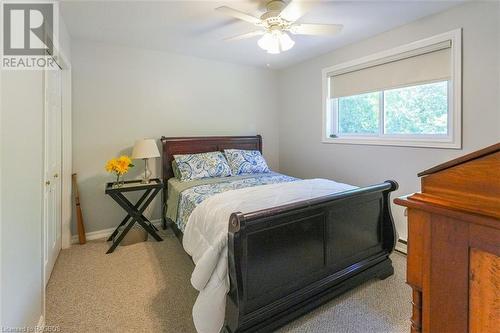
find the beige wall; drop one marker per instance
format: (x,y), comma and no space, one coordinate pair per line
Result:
(301,151)
(21,194)
(123,94)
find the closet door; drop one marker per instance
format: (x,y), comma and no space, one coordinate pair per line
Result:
(52,169)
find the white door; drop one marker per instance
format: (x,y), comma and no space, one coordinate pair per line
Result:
(52,172)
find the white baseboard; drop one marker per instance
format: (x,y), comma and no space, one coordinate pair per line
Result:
(41,324)
(401,246)
(105,233)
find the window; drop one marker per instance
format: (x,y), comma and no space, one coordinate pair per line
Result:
(409,96)
(414,110)
(418,110)
(358,114)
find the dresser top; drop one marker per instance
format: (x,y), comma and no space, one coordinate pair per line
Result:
(462,159)
(469,184)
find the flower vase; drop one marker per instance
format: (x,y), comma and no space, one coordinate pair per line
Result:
(119,182)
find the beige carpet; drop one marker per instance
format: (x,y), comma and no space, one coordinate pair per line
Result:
(145,288)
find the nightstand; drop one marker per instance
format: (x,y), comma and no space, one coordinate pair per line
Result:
(134,211)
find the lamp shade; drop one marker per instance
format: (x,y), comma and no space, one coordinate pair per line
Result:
(145,148)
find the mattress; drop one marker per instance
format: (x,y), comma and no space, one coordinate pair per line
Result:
(184,196)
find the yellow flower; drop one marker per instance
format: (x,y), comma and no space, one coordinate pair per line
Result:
(125,160)
(119,165)
(110,165)
(121,168)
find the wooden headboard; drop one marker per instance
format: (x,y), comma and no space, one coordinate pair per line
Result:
(202,144)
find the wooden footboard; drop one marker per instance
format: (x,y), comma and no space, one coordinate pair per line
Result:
(286,260)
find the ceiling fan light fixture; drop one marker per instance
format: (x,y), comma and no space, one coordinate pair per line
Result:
(279,22)
(269,43)
(275,41)
(286,42)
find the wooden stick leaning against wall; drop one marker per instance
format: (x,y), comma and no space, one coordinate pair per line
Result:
(79,216)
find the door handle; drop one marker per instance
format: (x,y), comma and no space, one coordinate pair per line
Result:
(56,175)
(47,182)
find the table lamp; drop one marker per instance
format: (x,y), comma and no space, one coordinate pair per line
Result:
(145,149)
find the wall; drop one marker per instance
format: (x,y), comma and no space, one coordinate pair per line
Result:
(21,174)
(21,177)
(123,94)
(301,151)
(66,167)
(1,202)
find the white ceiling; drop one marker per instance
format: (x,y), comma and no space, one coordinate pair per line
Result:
(195,28)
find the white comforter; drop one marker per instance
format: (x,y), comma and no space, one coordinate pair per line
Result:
(205,238)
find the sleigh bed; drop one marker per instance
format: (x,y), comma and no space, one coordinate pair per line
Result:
(286,260)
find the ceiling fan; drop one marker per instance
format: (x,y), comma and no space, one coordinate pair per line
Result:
(278,22)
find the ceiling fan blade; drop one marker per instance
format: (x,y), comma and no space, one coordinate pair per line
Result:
(247,35)
(296,9)
(237,14)
(316,29)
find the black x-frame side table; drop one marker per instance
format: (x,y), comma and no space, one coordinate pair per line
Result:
(134,211)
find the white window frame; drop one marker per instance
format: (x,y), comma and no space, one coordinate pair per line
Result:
(452,140)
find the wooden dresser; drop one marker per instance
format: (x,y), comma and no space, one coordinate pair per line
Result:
(454,245)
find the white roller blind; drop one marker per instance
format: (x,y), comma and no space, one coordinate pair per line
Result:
(432,63)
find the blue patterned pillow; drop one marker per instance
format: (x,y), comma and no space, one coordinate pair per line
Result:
(203,165)
(246,161)
(175,170)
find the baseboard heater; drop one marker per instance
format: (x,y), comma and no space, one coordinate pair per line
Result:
(402,246)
